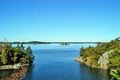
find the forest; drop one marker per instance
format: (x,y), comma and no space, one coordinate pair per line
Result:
(10,55)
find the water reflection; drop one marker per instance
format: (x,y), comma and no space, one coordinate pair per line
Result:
(93,73)
(16,74)
(5,73)
(30,72)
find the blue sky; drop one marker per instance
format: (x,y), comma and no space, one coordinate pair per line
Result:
(59,20)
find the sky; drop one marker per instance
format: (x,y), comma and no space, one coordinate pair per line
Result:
(59,20)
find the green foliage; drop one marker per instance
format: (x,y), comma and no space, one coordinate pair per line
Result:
(4,56)
(115,75)
(92,54)
(114,64)
(30,56)
(12,55)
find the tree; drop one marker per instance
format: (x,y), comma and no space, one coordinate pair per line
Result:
(13,55)
(4,56)
(81,51)
(29,55)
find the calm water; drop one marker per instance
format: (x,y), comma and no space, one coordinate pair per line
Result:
(55,62)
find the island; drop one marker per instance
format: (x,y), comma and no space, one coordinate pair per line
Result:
(65,43)
(16,58)
(104,56)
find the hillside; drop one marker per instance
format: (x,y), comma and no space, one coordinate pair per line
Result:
(104,55)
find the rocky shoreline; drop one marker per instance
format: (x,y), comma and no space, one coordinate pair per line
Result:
(103,56)
(14,66)
(19,71)
(102,62)
(80,59)
(17,74)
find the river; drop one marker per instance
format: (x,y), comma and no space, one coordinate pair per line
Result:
(56,62)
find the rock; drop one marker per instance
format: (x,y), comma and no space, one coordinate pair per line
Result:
(15,66)
(104,60)
(17,74)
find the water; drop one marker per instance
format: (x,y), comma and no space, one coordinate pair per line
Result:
(5,73)
(56,62)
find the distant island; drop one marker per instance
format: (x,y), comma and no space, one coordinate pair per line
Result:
(104,56)
(65,44)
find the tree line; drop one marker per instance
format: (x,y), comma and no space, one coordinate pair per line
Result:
(15,54)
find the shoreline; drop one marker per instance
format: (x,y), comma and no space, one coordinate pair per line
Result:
(14,66)
(79,59)
(17,74)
